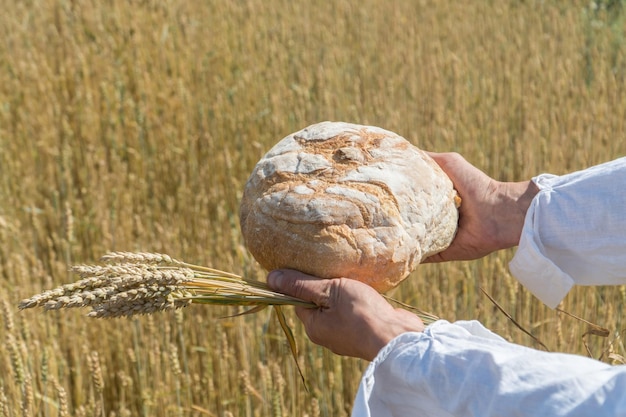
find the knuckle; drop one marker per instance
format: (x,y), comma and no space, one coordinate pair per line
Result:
(297,288)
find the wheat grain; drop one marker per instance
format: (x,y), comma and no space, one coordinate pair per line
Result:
(27,396)
(174,361)
(16,359)
(145,258)
(62,395)
(9,325)
(315,407)
(137,306)
(69,223)
(244,383)
(44,366)
(96,371)
(81,411)
(277,377)
(4,403)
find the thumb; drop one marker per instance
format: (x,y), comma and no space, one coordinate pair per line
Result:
(300,285)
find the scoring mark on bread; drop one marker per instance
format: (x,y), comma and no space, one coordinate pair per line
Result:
(367,197)
(345,153)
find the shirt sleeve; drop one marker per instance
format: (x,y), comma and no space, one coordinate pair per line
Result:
(574,232)
(463,369)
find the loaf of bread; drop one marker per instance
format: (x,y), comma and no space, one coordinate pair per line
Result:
(344,200)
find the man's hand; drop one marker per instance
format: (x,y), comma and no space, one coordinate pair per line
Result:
(492,213)
(351,319)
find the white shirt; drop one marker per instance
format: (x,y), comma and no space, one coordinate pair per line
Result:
(574,233)
(463,369)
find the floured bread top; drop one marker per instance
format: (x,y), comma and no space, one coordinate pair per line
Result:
(343,200)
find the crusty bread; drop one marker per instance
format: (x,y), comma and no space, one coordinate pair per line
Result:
(344,200)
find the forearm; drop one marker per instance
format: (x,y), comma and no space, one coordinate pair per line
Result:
(464,370)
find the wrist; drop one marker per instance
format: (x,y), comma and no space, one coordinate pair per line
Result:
(402,322)
(512,202)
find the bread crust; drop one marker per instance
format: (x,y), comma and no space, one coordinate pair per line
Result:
(344,200)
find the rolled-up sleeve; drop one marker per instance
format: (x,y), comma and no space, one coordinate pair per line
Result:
(574,232)
(463,369)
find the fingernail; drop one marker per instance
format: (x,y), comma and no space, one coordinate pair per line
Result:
(275,279)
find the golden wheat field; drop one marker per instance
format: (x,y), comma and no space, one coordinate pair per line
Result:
(133,126)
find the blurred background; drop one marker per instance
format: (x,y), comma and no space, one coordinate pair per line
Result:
(133,126)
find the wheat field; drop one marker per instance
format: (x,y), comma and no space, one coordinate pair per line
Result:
(133,125)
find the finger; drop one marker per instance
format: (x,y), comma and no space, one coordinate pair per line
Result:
(444,159)
(300,285)
(451,163)
(436,258)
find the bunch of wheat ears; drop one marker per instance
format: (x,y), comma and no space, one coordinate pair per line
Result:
(130,283)
(142,283)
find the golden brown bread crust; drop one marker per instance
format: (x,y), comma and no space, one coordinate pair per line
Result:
(344,200)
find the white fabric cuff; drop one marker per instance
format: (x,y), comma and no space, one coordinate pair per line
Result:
(552,284)
(574,232)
